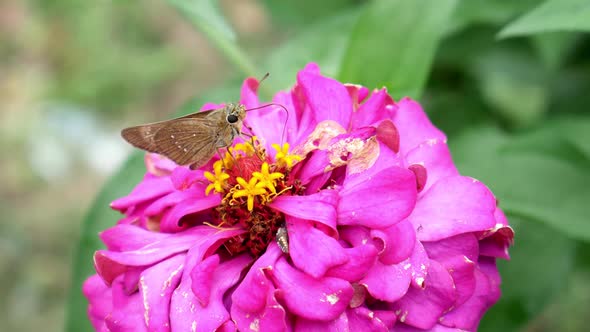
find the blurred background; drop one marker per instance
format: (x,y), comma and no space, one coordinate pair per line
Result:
(509,82)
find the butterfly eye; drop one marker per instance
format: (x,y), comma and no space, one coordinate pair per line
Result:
(232,118)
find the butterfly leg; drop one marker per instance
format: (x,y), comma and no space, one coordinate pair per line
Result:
(251,141)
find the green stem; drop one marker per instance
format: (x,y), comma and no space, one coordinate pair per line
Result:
(226,45)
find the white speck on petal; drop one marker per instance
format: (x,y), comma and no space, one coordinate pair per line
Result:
(402,318)
(146,305)
(332,298)
(255,325)
(194,326)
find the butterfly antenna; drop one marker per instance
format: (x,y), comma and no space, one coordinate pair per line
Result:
(263,78)
(286,118)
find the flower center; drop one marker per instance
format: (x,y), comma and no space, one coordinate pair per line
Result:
(248,180)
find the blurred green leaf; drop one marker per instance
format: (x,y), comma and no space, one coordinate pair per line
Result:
(534,277)
(541,175)
(101,217)
(553,47)
(393,44)
(552,15)
(205,15)
(303,12)
(323,43)
(453,111)
(491,12)
(514,83)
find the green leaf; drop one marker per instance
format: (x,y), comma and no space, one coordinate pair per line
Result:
(322,43)
(541,175)
(514,83)
(534,277)
(552,15)
(101,217)
(393,44)
(304,12)
(491,12)
(205,15)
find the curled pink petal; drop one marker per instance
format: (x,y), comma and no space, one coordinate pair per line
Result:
(156,286)
(304,239)
(318,299)
(337,108)
(454,205)
(389,196)
(413,125)
(435,157)
(319,207)
(397,242)
(378,107)
(422,307)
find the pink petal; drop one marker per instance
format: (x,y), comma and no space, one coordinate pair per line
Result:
(319,299)
(388,282)
(388,317)
(435,156)
(127,313)
(435,328)
(338,107)
(378,107)
(314,174)
(422,307)
(398,242)
(160,205)
(158,165)
(150,187)
(202,277)
(183,178)
(211,106)
(292,125)
(496,241)
(186,311)
(413,125)
(124,237)
(110,264)
(360,259)
(458,255)
(320,207)
(190,314)
(363,319)
(357,93)
(420,263)
(487,292)
(100,300)
(254,305)
(171,222)
(339,324)
(454,205)
(157,284)
(311,250)
(382,200)
(248,95)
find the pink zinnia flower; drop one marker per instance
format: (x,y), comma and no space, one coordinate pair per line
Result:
(376,228)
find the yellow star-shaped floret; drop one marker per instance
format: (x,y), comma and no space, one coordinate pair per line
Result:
(267,179)
(217,179)
(249,189)
(283,157)
(246,147)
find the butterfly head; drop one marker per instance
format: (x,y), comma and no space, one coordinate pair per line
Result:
(235,113)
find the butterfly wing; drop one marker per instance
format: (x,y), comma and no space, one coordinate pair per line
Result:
(187,140)
(143,136)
